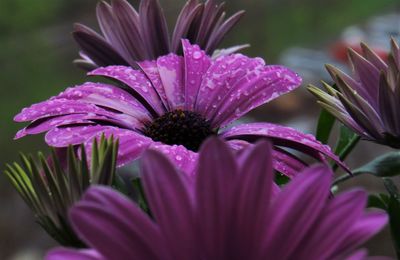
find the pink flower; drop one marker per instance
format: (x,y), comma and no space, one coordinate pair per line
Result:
(232,210)
(173,104)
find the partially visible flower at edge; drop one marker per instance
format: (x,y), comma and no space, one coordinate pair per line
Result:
(233,210)
(51,186)
(131,36)
(173,104)
(369,102)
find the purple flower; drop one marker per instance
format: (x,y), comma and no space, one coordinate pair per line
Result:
(173,104)
(131,36)
(233,210)
(368,102)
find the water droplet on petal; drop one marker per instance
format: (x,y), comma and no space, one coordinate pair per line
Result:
(197,55)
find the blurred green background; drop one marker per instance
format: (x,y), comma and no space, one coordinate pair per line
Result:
(36,50)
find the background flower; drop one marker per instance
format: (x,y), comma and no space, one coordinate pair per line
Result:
(51,186)
(368,102)
(173,104)
(233,210)
(131,36)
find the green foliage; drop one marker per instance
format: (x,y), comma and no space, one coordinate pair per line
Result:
(325,124)
(51,186)
(17,15)
(387,165)
(141,197)
(391,204)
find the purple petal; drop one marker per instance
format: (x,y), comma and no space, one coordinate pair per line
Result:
(358,255)
(46,124)
(295,210)
(138,83)
(96,47)
(171,68)
(365,228)
(128,27)
(151,70)
(333,226)
(221,76)
(286,163)
(109,97)
(254,91)
(184,159)
(171,205)
(282,136)
(68,254)
(367,73)
(196,65)
(55,107)
(103,214)
(252,200)
(215,181)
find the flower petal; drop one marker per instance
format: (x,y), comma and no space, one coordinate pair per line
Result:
(170,203)
(103,214)
(252,199)
(48,123)
(295,210)
(183,159)
(170,68)
(221,76)
(286,163)
(282,136)
(150,69)
(96,47)
(254,91)
(215,181)
(112,99)
(141,88)
(131,144)
(196,65)
(67,254)
(333,224)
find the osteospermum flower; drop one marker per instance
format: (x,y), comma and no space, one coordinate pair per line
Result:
(131,36)
(173,104)
(368,102)
(233,210)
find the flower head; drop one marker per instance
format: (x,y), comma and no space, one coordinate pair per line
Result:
(233,210)
(52,186)
(173,104)
(131,36)
(368,102)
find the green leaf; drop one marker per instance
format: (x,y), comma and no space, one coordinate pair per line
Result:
(387,165)
(394,221)
(345,142)
(141,198)
(376,201)
(281,179)
(324,127)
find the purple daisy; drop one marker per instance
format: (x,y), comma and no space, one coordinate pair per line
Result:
(368,101)
(233,210)
(131,36)
(173,104)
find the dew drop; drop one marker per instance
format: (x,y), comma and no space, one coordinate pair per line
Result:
(197,55)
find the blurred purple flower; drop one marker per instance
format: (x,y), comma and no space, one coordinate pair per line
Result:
(233,210)
(369,102)
(174,104)
(131,36)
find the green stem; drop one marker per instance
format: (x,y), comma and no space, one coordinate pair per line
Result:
(346,177)
(347,150)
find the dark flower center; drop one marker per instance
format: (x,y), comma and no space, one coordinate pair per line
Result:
(180,127)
